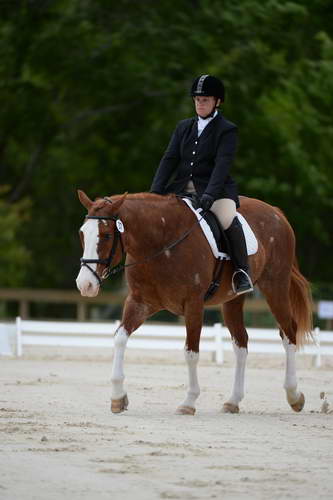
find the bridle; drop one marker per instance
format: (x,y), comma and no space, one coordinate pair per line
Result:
(108,271)
(108,261)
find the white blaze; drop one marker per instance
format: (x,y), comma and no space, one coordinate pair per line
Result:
(86,281)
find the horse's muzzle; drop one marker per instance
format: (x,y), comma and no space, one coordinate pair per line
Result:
(88,287)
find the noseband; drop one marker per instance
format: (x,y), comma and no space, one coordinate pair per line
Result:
(117,239)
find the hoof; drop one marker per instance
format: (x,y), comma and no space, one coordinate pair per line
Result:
(298,406)
(230,408)
(185,410)
(119,405)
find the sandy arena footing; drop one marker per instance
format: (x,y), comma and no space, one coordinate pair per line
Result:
(58,439)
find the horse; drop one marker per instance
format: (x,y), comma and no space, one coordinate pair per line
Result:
(169,266)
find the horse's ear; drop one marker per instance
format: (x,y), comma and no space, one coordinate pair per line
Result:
(84,199)
(117,204)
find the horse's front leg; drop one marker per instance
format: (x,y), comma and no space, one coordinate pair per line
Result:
(193,320)
(134,314)
(119,400)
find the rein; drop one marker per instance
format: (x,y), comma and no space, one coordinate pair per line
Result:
(117,238)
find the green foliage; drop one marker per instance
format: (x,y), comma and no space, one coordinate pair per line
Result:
(91,91)
(14,257)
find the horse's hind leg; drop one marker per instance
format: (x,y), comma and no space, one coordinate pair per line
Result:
(277,297)
(233,318)
(193,320)
(294,397)
(134,315)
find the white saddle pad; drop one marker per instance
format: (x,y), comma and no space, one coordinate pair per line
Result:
(251,240)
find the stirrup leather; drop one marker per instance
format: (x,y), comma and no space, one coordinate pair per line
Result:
(248,278)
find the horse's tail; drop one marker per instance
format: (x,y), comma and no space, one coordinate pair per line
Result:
(301,304)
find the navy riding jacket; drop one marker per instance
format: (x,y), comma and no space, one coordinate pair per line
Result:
(205,160)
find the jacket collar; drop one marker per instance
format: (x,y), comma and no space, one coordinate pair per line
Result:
(209,128)
(203,122)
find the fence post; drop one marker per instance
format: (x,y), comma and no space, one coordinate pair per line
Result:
(81,311)
(218,343)
(24,309)
(318,355)
(18,337)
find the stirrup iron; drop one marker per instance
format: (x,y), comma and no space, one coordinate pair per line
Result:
(249,281)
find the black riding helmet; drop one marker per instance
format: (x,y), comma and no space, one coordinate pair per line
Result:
(207,85)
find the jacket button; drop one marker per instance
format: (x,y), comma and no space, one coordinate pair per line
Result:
(191,163)
(193,152)
(196,142)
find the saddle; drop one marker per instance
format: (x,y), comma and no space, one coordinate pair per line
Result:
(214,233)
(193,201)
(216,237)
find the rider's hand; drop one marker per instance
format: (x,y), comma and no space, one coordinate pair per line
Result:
(206,201)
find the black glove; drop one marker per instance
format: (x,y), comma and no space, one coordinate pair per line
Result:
(206,201)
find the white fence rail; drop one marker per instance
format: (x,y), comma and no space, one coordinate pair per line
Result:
(7,331)
(215,339)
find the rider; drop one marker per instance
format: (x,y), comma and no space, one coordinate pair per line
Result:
(198,159)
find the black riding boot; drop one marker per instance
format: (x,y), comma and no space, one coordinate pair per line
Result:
(241,281)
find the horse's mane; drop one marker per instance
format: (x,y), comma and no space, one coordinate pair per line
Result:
(146,196)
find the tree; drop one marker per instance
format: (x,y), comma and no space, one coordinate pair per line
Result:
(92,91)
(14,256)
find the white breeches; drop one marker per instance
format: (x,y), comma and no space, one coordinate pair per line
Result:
(224,208)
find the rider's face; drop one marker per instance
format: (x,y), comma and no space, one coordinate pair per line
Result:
(204,105)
